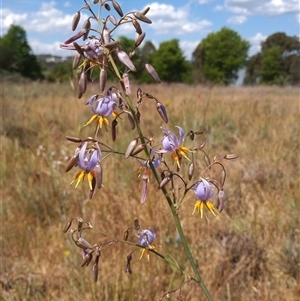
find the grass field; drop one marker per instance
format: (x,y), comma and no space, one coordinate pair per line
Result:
(251,251)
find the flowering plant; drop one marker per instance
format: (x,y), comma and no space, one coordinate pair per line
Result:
(100,50)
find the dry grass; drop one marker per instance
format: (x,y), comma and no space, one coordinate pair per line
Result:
(249,252)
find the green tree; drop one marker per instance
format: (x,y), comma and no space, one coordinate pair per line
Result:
(170,62)
(220,56)
(285,51)
(271,66)
(16,54)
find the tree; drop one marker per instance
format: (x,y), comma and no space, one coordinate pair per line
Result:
(285,53)
(271,66)
(220,56)
(16,54)
(170,62)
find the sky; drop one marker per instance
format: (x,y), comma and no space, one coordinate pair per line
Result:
(48,23)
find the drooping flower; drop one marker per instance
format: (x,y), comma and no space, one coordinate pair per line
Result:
(146,239)
(174,144)
(204,192)
(145,171)
(102,107)
(88,159)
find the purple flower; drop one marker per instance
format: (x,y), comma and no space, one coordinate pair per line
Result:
(102,106)
(93,48)
(203,190)
(88,159)
(170,141)
(174,144)
(146,238)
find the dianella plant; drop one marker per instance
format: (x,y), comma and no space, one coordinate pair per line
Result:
(171,162)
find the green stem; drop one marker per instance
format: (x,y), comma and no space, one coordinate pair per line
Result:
(184,242)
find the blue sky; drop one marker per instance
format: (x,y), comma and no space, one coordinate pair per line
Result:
(48,23)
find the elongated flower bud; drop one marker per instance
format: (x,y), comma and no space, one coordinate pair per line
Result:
(145,11)
(87,27)
(76,36)
(137,26)
(153,73)
(191,170)
(76,20)
(74,139)
(162,111)
(139,39)
(144,189)
(67,226)
(138,149)
(113,20)
(76,60)
(164,182)
(117,8)
(95,271)
(142,17)
(124,59)
(82,83)
(131,147)
(221,200)
(106,35)
(87,258)
(131,121)
(114,129)
(126,83)
(71,163)
(84,243)
(102,79)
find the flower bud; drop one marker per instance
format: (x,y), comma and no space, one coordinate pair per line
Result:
(76,20)
(139,39)
(102,79)
(76,36)
(131,147)
(191,170)
(113,20)
(82,84)
(124,59)
(142,17)
(164,182)
(117,8)
(153,73)
(162,111)
(137,26)
(95,272)
(114,129)
(83,243)
(221,200)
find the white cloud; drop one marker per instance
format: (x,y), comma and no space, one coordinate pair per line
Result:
(218,8)
(8,18)
(263,7)
(255,42)
(168,19)
(237,20)
(205,1)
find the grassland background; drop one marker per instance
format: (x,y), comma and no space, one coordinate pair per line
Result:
(251,251)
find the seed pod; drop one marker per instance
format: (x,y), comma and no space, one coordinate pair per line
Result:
(191,170)
(102,79)
(124,59)
(82,83)
(114,129)
(76,36)
(162,111)
(153,73)
(139,39)
(117,8)
(84,243)
(137,26)
(95,272)
(164,182)
(131,147)
(76,20)
(142,17)
(113,20)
